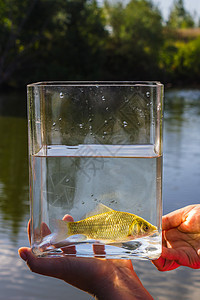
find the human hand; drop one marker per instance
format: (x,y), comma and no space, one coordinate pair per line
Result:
(103,278)
(181,239)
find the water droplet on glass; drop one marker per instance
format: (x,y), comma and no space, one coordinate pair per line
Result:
(103,137)
(107,108)
(125,123)
(83,202)
(92,195)
(105,133)
(54,124)
(90,120)
(148,94)
(60,119)
(61,95)
(103,98)
(67,180)
(81,125)
(106,122)
(90,127)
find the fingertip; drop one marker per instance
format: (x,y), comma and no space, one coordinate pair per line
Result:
(23,253)
(68,218)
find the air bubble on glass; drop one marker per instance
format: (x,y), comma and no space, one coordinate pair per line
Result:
(148,94)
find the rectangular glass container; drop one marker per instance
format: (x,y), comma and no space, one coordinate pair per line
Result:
(96,168)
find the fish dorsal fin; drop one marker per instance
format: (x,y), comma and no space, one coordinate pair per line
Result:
(99,209)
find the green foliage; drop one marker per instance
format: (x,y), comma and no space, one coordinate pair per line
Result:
(133,49)
(79,40)
(23,25)
(186,60)
(179,17)
(50,39)
(76,47)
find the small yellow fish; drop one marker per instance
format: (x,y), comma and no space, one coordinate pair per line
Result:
(107,225)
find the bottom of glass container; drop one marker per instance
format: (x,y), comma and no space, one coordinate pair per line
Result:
(141,248)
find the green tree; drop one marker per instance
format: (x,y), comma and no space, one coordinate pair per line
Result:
(45,39)
(23,24)
(135,41)
(179,17)
(186,61)
(76,46)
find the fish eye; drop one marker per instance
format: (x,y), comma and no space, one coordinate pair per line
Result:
(146,227)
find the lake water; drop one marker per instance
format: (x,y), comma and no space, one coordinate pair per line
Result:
(181,186)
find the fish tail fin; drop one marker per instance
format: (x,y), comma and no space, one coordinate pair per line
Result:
(61,231)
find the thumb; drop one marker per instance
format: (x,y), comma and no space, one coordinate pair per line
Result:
(24,253)
(43,265)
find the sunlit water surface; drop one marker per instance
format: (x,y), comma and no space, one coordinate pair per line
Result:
(181,186)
